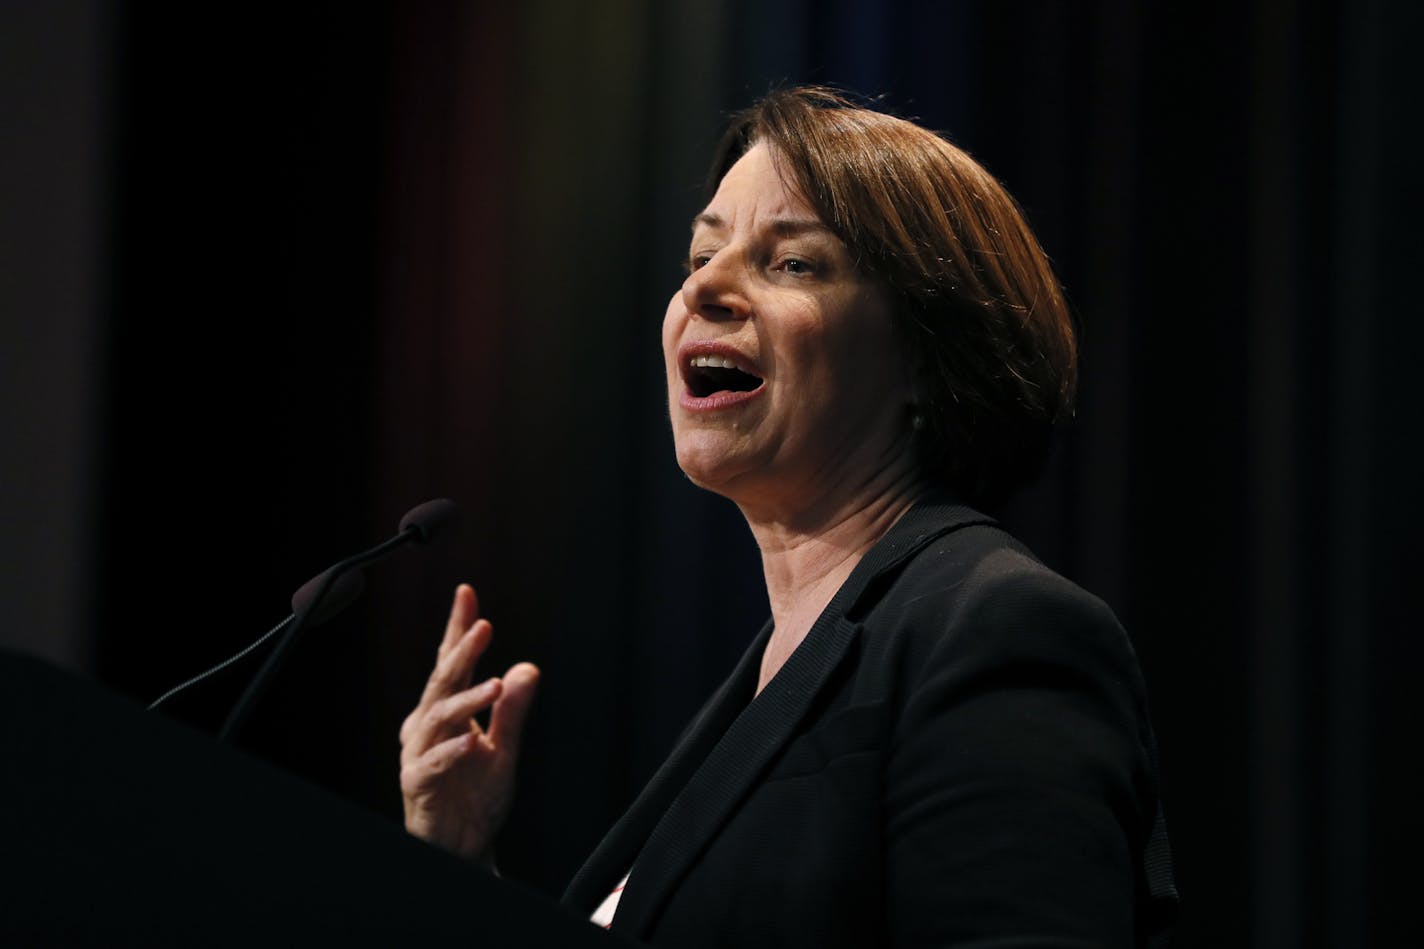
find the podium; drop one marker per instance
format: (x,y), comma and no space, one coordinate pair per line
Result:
(119,827)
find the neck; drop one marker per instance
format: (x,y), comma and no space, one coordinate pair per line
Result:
(806,556)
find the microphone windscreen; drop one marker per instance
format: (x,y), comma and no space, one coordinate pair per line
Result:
(429,518)
(347,587)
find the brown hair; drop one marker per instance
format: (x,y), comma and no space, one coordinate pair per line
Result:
(980,311)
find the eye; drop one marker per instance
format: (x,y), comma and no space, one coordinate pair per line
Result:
(796,266)
(696,262)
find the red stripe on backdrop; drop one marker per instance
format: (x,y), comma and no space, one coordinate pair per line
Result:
(445,294)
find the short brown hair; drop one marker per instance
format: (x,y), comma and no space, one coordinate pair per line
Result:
(981,314)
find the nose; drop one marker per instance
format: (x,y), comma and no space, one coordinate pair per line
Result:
(717,289)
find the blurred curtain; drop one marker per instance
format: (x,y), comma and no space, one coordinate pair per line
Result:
(1215,187)
(478,211)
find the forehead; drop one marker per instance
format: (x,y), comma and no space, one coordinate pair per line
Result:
(754,188)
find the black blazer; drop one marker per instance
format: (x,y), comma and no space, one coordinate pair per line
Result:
(958,754)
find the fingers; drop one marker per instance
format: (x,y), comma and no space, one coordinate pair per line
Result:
(448,704)
(418,773)
(512,706)
(456,665)
(463,612)
(447,718)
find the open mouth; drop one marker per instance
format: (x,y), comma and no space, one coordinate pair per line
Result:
(708,375)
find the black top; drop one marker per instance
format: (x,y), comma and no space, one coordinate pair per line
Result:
(958,754)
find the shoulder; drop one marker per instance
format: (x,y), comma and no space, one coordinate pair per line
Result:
(1018,784)
(975,631)
(978,592)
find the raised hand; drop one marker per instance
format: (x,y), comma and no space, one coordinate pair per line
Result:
(457,778)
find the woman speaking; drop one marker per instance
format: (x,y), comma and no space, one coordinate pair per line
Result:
(935,740)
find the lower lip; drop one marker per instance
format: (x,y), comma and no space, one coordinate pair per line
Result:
(718,401)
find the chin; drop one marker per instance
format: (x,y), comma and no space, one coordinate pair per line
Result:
(700,469)
(706,463)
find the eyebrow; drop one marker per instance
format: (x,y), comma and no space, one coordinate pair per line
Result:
(784,227)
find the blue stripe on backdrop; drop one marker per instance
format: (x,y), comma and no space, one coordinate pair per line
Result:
(771,45)
(917,54)
(855,44)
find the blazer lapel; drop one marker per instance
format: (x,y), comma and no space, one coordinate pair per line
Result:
(615,853)
(730,769)
(735,737)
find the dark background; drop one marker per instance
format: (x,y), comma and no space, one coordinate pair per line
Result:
(275,275)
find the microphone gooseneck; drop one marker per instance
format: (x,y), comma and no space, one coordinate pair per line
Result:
(318,600)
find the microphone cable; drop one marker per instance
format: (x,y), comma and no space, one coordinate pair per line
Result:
(246,651)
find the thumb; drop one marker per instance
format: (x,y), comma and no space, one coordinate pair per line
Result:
(507,716)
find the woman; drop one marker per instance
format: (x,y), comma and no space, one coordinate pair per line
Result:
(935,740)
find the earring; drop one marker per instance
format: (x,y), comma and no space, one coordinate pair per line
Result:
(917,420)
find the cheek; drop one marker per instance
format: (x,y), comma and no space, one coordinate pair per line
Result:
(859,357)
(874,345)
(673,321)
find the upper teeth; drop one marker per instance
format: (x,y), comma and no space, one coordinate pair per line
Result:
(712,362)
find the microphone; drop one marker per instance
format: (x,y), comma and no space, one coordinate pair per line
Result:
(338,586)
(309,604)
(345,589)
(321,598)
(428,519)
(419,525)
